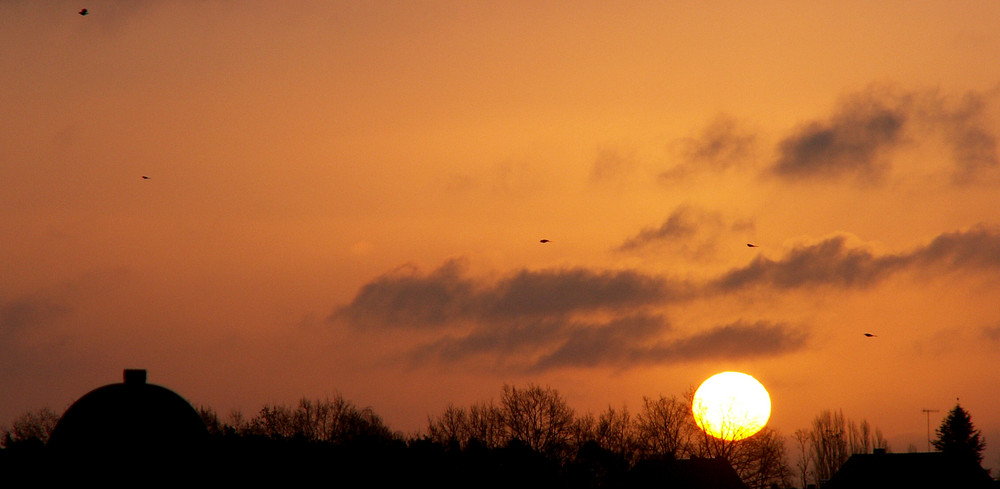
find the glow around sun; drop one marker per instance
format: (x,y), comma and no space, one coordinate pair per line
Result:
(731,406)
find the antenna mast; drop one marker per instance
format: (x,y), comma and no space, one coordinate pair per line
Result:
(928,413)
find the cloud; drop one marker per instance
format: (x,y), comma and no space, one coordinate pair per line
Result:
(612,164)
(622,343)
(406,298)
(967,130)
(20,314)
(592,342)
(719,146)
(689,229)
(539,320)
(606,346)
(991,333)
(832,262)
(535,320)
(851,141)
(859,138)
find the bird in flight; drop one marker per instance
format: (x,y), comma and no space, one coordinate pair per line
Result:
(84,12)
(869,335)
(543,241)
(144,177)
(751,245)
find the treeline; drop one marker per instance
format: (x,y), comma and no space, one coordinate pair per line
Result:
(530,436)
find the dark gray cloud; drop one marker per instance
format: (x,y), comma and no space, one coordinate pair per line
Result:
(692,229)
(859,137)
(607,347)
(538,320)
(593,342)
(832,262)
(851,141)
(971,135)
(681,224)
(722,144)
(736,340)
(444,296)
(405,298)
(569,318)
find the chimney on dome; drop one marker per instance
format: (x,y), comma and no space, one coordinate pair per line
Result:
(134,376)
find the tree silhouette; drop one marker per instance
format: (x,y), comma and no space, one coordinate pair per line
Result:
(29,429)
(539,418)
(957,436)
(665,427)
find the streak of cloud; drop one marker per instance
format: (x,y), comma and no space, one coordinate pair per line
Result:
(406,298)
(607,347)
(719,146)
(535,320)
(866,127)
(832,262)
(684,226)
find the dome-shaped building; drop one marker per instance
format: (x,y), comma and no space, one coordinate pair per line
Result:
(132,423)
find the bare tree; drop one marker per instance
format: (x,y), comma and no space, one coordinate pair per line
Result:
(615,431)
(828,443)
(486,424)
(481,423)
(452,426)
(540,418)
(664,427)
(801,438)
(32,427)
(760,460)
(833,438)
(330,420)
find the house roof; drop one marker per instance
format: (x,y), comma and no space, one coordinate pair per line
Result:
(909,470)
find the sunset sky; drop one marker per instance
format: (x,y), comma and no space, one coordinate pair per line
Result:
(348,197)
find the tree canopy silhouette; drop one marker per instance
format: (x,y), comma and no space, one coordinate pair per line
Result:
(957,436)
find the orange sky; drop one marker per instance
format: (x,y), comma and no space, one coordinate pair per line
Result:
(347,197)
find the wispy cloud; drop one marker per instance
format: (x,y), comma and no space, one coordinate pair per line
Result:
(971,135)
(722,144)
(851,141)
(737,340)
(832,262)
(23,313)
(688,228)
(612,164)
(578,318)
(406,298)
(859,138)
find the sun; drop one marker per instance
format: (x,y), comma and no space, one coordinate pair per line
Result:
(731,406)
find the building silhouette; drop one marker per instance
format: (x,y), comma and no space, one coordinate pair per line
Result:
(127,427)
(924,470)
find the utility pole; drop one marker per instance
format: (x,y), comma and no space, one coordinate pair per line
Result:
(928,413)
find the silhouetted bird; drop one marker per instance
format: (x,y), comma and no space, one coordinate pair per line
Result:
(751,245)
(870,335)
(144,177)
(84,12)
(543,241)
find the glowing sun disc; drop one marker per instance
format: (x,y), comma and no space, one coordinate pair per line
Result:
(731,406)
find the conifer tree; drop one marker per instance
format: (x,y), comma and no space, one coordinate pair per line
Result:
(957,436)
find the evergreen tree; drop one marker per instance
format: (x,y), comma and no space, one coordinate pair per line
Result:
(957,436)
